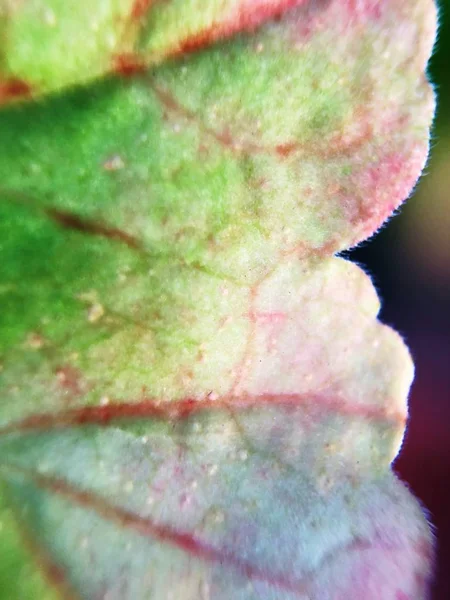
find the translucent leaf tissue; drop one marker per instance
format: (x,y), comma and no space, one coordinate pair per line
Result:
(197,401)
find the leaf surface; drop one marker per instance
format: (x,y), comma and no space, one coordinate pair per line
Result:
(234,416)
(300,139)
(193,510)
(197,400)
(47,45)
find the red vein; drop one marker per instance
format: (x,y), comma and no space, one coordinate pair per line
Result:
(70,220)
(183,409)
(146,527)
(54,573)
(14,88)
(246,17)
(339,145)
(128,64)
(140,8)
(224,137)
(185,541)
(241,369)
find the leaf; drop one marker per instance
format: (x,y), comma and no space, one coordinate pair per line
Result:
(298,426)
(195,511)
(211,340)
(294,409)
(197,399)
(47,45)
(301,139)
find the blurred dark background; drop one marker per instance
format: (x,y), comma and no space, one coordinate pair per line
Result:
(409,261)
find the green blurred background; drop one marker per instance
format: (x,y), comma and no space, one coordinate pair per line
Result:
(410,263)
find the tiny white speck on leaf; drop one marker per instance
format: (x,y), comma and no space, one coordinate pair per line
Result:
(114,163)
(49,17)
(243,455)
(213,470)
(95,312)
